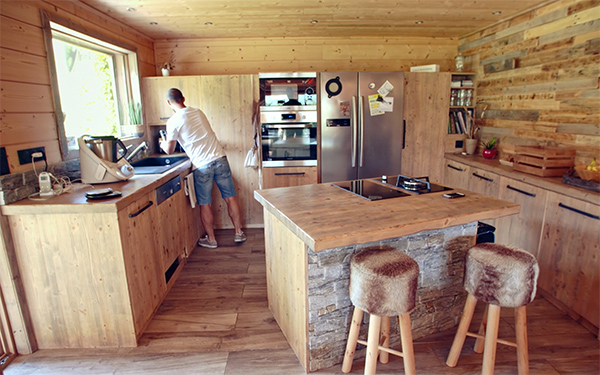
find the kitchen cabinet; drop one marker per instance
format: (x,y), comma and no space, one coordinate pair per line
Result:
(456,175)
(426,99)
(522,230)
(171,213)
(154,96)
(145,276)
(568,255)
(288,176)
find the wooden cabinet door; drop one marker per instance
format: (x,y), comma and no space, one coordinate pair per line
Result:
(145,278)
(568,254)
(486,183)
(456,175)
(154,96)
(288,176)
(426,101)
(522,230)
(170,235)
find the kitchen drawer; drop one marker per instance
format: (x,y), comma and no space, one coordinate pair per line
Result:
(456,175)
(288,176)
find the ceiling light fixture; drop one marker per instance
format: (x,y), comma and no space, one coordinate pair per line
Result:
(208,23)
(153,23)
(418,22)
(496,12)
(314,21)
(131,9)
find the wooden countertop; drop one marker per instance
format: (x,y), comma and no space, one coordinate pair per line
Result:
(554,184)
(325,216)
(76,202)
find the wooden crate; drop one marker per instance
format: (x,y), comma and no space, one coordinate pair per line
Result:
(543,161)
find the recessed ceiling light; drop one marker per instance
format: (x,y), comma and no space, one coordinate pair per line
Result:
(496,12)
(418,22)
(208,23)
(131,9)
(153,23)
(314,21)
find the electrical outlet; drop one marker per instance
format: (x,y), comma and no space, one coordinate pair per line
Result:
(25,155)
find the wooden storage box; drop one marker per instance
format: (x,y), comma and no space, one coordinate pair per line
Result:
(543,161)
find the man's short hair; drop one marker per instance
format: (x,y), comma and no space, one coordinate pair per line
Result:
(175,96)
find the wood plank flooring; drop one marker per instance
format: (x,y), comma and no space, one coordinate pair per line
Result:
(215,321)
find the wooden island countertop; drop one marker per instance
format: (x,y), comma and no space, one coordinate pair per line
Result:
(325,216)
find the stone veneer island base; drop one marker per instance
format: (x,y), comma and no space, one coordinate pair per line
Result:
(307,278)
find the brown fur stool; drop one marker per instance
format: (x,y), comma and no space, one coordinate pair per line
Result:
(383,283)
(500,276)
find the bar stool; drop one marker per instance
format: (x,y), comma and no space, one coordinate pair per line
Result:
(383,283)
(500,276)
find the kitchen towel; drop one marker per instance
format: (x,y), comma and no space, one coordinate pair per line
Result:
(188,188)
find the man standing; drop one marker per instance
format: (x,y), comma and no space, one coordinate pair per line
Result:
(190,127)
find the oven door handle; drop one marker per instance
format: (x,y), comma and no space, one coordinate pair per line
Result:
(354,132)
(289,126)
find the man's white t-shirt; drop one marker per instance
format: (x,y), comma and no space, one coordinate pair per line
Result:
(190,127)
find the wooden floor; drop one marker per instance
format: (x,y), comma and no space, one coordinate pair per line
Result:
(215,321)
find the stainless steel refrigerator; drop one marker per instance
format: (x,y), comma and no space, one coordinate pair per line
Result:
(362,125)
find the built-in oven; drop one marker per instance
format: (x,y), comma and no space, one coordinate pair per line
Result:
(293,91)
(288,138)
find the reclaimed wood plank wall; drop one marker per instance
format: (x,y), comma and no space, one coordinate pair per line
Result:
(538,76)
(253,55)
(27,114)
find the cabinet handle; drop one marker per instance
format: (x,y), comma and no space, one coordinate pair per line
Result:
(165,118)
(520,191)
(150,203)
(290,174)
(579,211)
(404,134)
(483,177)
(455,168)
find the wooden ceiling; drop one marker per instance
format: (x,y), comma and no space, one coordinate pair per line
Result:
(180,19)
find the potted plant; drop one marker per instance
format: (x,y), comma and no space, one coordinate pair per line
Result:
(167,66)
(489,151)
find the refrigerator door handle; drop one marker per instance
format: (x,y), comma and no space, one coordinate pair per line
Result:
(354,130)
(361,119)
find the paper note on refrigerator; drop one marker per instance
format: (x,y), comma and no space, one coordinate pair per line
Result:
(385,89)
(387,105)
(374,105)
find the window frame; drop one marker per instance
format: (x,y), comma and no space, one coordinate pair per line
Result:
(130,64)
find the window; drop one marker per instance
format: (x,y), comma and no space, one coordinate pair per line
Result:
(95,83)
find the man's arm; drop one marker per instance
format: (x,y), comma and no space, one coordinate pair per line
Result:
(168,146)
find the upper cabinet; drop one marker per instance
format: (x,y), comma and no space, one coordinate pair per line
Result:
(154,94)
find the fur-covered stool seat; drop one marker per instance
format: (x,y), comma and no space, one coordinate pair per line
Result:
(500,276)
(383,283)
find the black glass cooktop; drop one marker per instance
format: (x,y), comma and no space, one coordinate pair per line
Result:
(370,189)
(418,185)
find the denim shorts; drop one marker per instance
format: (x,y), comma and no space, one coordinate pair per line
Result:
(217,171)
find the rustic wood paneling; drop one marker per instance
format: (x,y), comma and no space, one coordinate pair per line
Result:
(26,98)
(538,75)
(252,55)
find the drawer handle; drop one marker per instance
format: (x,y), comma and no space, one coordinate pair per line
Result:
(456,168)
(165,118)
(520,191)
(579,211)
(150,203)
(483,177)
(290,174)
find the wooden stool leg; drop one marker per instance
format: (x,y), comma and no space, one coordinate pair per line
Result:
(407,344)
(491,337)
(384,357)
(478,347)
(521,331)
(461,332)
(357,317)
(372,345)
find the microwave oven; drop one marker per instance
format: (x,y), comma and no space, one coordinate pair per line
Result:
(293,91)
(288,139)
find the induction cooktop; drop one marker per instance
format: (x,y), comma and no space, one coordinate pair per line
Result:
(370,190)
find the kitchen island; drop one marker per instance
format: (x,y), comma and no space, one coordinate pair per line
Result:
(311,233)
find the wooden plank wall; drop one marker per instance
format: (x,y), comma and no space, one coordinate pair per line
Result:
(27,113)
(253,55)
(538,73)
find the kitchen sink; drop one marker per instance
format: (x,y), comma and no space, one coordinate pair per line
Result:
(157,164)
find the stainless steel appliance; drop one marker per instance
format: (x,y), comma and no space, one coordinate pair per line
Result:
(96,170)
(370,189)
(107,147)
(390,187)
(293,91)
(288,138)
(418,185)
(362,130)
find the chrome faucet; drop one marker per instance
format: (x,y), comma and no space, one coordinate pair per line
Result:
(141,147)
